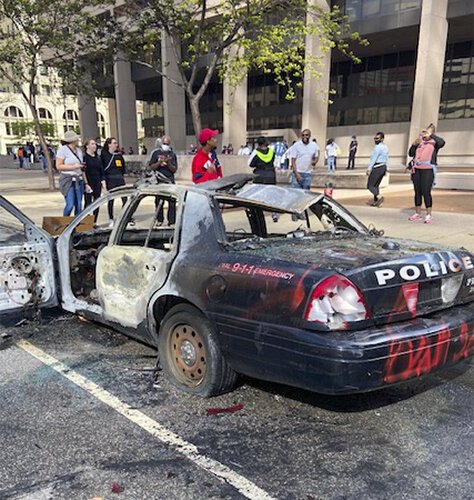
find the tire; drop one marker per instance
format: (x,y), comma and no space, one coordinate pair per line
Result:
(190,355)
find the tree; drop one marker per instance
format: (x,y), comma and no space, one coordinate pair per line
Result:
(230,37)
(35,33)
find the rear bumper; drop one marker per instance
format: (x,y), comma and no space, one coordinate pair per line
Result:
(348,362)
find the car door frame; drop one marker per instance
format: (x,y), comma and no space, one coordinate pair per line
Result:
(34,235)
(69,301)
(165,191)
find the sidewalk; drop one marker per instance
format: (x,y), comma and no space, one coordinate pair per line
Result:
(453,216)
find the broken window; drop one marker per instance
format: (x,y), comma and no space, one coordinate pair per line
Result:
(12,231)
(150,223)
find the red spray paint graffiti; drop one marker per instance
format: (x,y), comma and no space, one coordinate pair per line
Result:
(413,358)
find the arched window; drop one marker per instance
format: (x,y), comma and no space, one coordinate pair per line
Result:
(45,114)
(101,125)
(13,114)
(71,120)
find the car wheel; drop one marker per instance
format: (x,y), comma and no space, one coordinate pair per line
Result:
(190,355)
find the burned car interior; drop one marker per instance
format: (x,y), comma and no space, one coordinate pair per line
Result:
(139,229)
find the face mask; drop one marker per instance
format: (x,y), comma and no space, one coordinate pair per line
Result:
(165,147)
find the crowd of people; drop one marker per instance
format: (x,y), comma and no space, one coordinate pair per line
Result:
(85,173)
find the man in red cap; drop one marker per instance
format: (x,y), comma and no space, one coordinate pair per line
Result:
(205,166)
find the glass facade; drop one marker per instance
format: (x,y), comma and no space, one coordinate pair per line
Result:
(362,9)
(211,106)
(378,90)
(457,97)
(153,119)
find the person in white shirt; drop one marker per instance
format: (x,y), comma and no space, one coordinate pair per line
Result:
(331,154)
(304,156)
(70,163)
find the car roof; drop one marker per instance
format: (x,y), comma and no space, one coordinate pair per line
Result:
(268,196)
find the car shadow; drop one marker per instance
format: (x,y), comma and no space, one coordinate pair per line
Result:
(367,401)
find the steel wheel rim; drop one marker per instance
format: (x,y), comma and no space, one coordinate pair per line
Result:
(187,354)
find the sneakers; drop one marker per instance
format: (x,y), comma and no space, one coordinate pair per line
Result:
(378,203)
(415,217)
(428,219)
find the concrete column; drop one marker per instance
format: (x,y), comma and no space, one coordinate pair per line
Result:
(235,114)
(112,117)
(429,65)
(173,98)
(87,117)
(126,105)
(316,91)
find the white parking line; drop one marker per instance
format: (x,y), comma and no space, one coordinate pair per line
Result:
(190,451)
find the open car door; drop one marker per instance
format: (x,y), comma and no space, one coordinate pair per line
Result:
(27,272)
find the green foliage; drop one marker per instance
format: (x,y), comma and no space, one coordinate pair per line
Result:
(25,128)
(232,37)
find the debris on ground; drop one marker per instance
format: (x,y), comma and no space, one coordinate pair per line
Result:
(229,409)
(117,488)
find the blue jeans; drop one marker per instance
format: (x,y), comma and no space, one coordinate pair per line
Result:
(331,163)
(305,182)
(74,198)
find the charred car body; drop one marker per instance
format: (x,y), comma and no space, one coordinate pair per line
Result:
(314,300)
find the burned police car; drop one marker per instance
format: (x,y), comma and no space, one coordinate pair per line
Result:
(271,282)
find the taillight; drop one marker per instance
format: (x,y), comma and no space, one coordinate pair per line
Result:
(335,302)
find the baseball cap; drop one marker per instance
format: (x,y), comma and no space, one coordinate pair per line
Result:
(206,134)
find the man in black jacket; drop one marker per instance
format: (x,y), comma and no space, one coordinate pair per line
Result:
(261,160)
(164,161)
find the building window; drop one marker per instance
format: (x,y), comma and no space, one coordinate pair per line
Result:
(101,125)
(45,90)
(43,70)
(13,114)
(360,9)
(378,90)
(457,93)
(44,114)
(71,120)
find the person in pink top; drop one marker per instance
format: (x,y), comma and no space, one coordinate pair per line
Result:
(424,151)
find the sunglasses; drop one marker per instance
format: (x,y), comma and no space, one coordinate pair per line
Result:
(306,135)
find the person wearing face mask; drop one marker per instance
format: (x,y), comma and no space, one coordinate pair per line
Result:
(424,151)
(164,161)
(377,168)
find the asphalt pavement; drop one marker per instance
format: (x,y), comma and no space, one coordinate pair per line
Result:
(61,440)
(83,416)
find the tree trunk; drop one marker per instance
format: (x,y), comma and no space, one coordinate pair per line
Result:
(44,147)
(195,114)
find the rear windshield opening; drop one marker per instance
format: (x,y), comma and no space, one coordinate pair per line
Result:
(253,221)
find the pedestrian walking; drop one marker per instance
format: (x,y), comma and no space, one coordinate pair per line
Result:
(95,175)
(331,154)
(377,168)
(163,160)
(352,153)
(114,171)
(424,151)
(205,166)
(280,150)
(70,164)
(21,158)
(304,156)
